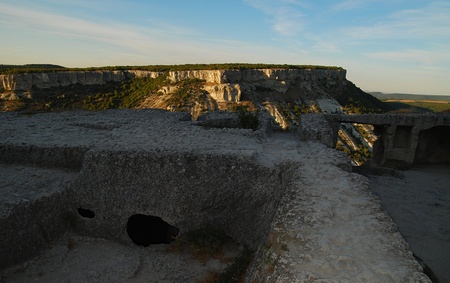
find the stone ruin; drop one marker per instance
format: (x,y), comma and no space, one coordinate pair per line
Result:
(140,177)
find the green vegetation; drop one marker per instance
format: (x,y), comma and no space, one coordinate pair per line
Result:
(248,119)
(433,106)
(360,155)
(406,96)
(62,98)
(419,106)
(356,101)
(188,92)
(39,68)
(127,94)
(30,68)
(411,103)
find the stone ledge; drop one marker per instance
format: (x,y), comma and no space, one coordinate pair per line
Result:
(327,224)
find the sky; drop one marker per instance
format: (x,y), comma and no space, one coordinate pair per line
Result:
(385,45)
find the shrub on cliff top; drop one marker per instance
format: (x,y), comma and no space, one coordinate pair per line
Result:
(248,119)
(39,68)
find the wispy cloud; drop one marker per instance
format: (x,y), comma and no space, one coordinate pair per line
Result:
(351,4)
(158,42)
(412,37)
(414,57)
(132,37)
(286,17)
(322,43)
(432,21)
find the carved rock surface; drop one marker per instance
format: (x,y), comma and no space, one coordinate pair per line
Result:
(291,201)
(316,127)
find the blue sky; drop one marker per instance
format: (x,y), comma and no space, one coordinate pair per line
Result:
(385,45)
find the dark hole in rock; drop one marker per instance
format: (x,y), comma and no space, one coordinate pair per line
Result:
(147,230)
(86,213)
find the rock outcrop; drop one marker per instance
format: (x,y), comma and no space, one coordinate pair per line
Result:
(284,93)
(276,78)
(89,173)
(318,128)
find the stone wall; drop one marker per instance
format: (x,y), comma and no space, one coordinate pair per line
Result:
(189,191)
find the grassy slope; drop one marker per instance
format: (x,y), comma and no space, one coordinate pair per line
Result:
(357,100)
(415,102)
(406,96)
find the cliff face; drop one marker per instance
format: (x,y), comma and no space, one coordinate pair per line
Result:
(285,93)
(264,88)
(26,81)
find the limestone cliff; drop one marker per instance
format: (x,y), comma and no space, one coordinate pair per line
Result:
(275,78)
(284,93)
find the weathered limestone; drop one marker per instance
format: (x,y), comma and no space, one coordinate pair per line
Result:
(33,210)
(225,92)
(324,231)
(24,82)
(317,127)
(290,200)
(196,180)
(188,191)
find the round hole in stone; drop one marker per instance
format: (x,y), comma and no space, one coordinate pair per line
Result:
(86,213)
(146,230)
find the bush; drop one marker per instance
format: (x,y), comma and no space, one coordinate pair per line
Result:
(128,94)
(189,91)
(248,120)
(39,68)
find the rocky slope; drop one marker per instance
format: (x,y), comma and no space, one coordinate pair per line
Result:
(284,93)
(278,90)
(295,202)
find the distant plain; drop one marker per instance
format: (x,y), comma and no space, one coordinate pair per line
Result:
(415,102)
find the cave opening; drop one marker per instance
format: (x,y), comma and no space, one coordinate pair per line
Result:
(146,230)
(86,213)
(433,146)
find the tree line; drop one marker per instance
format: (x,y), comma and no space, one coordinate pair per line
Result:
(41,68)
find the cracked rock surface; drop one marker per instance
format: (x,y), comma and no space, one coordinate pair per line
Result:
(308,217)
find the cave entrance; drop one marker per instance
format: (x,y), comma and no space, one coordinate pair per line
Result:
(433,146)
(86,213)
(146,230)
